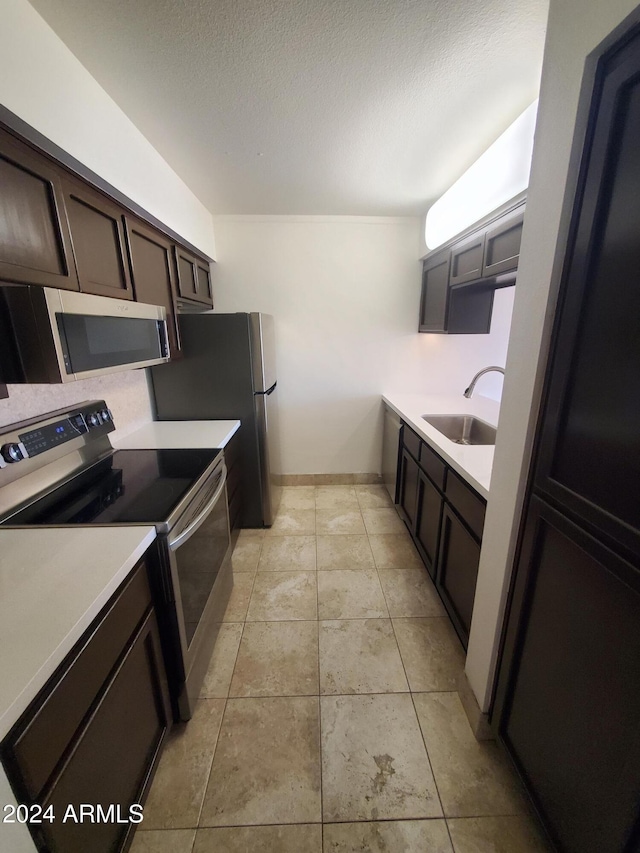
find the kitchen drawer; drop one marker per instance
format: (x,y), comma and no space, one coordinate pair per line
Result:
(468,504)
(432,465)
(72,690)
(411,441)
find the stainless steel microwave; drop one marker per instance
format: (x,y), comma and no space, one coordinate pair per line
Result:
(49,335)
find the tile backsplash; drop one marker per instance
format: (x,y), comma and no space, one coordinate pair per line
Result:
(126,394)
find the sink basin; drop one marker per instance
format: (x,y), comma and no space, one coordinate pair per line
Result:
(463,429)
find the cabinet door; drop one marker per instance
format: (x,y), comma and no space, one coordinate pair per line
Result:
(35,244)
(457,573)
(408,490)
(152,272)
(428,515)
(194,278)
(233,461)
(97,234)
(435,290)
(113,759)
(204,290)
(466,259)
(569,707)
(502,249)
(590,447)
(470,308)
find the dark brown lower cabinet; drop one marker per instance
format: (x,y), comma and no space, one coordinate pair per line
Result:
(445,517)
(87,747)
(408,488)
(457,572)
(111,762)
(570,710)
(428,517)
(233,461)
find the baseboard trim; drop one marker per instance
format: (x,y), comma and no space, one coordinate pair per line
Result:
(478,721)
(329,479)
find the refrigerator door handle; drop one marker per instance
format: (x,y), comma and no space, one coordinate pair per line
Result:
(267,392)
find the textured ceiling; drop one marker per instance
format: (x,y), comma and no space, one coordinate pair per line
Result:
(312,106)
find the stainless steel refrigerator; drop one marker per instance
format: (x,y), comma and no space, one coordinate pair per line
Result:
(228,371)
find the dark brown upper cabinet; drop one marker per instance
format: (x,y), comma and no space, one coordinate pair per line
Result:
(459,279)
(502,244)
(466,259)
(64,226)
(35,244)
(97,235)
(194,277)
(152,272)
(435,293)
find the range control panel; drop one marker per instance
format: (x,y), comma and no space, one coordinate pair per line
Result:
(38,435)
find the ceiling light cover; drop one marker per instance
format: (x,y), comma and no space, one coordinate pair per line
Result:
(499,175)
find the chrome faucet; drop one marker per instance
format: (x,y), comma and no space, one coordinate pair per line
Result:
(469,390)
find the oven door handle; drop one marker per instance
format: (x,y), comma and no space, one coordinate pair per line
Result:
(188,532)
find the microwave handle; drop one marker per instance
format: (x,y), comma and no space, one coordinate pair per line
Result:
(188,532)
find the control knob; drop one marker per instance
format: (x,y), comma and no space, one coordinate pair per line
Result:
(12,452)
(105,414)
(94,420)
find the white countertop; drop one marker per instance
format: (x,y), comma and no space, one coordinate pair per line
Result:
(53,583)
(472,462)
(171,435)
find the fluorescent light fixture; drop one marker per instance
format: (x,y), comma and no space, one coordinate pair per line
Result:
(499,175)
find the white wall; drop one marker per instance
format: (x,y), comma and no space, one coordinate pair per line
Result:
(14,837)
(345,293)
(575,28)
(43,83)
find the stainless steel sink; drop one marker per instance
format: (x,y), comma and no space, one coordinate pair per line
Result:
(463,429)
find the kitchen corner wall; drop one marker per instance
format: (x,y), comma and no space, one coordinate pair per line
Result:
(345,294)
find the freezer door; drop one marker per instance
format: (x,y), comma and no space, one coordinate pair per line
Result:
(266,407)
(263,352)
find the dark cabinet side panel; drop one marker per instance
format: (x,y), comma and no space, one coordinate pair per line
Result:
(35,246)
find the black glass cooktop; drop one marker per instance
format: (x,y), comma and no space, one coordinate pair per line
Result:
(129,487)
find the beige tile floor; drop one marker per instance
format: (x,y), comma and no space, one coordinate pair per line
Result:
(328,721)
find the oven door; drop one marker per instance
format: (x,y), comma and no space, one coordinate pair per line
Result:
(200,565)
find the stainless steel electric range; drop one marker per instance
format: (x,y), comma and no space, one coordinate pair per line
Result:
(60,469)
